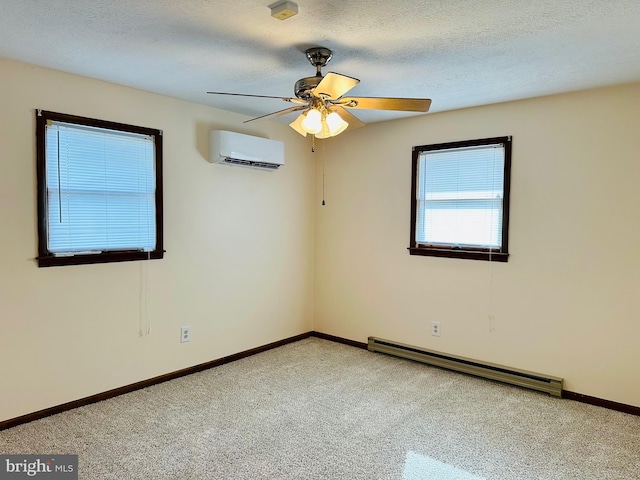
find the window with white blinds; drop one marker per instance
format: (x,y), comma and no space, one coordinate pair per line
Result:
(99,190)
(460,198)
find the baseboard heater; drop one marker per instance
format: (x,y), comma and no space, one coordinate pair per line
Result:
(520,378)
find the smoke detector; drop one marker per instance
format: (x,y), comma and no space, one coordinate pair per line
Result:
(283,9)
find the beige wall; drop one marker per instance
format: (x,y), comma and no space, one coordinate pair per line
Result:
(567,302)
(238,267)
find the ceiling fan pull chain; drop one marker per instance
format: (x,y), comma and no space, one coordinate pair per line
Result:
(323,204)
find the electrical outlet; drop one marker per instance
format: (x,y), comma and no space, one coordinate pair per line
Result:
(435,329)
(185,334)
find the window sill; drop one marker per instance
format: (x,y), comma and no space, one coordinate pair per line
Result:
(459,253)
(86,259)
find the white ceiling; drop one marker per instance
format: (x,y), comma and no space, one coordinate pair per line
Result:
(459,53)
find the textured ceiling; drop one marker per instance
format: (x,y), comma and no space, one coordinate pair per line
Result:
(458,53)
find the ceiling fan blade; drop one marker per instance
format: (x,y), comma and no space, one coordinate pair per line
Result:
(334,85)
(286,99)
(353,121)
(277,114)
(400,104)
(297,125)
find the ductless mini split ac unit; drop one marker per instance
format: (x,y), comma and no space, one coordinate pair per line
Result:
(231,148)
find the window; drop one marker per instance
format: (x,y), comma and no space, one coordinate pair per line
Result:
(460,199)
(99,191)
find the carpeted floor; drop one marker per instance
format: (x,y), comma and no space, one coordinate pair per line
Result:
(315,409)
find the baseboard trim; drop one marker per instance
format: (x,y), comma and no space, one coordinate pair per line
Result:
(30,417)
(620,407)
(345,341)
(578,397)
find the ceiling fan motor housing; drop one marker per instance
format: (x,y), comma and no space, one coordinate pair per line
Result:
(304,86)
(318,56)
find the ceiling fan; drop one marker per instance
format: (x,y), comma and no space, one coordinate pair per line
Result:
(324,109)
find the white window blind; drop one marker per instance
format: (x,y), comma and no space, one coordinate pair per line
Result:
(100,189)
(460,196)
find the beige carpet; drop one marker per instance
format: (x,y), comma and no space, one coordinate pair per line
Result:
(315,409)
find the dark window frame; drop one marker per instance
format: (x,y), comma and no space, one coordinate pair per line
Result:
(48,259)
(451,251)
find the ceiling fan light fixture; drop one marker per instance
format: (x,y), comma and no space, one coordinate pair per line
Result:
(297,125)
(324,133)
(312,122)
(336,124)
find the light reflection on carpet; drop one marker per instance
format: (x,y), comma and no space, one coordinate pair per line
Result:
(421,467)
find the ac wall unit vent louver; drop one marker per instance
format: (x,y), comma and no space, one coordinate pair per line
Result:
(231,148)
